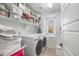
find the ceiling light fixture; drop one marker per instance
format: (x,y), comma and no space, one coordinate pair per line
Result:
(50,5)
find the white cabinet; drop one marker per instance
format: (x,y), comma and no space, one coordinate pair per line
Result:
(71,13)
(71,41)
(71,29)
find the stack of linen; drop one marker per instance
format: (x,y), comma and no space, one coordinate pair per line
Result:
(9,40)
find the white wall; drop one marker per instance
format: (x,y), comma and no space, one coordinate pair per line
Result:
(71,29)
(58,26)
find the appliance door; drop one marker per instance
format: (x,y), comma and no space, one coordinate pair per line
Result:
(39,47)
(44,41)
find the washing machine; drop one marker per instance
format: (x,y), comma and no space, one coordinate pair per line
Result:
(34,45)
(43,37)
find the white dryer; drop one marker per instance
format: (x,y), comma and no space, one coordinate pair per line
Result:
(44,40)
(34,45)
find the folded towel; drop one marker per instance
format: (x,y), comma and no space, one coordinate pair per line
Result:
(4,28)
(9,36)
(9,51)
(9,46)
(9,41)
(4,44)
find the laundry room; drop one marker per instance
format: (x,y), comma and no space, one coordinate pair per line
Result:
(40,29)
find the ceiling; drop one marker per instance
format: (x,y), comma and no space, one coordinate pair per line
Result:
(44,8)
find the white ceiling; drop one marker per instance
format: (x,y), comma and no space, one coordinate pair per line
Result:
(43,7)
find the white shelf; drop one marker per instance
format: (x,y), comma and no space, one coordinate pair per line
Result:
(16,20)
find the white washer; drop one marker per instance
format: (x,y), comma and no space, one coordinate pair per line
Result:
(34,45)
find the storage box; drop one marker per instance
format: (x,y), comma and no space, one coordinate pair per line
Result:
(19,53)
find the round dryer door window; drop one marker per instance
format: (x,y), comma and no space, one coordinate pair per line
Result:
(39,47)
(44,42)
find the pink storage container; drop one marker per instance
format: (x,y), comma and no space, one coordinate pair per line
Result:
(19,53)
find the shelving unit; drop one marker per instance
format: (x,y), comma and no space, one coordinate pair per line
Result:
(19,25)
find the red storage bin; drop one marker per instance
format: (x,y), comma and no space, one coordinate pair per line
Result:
(19,53)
